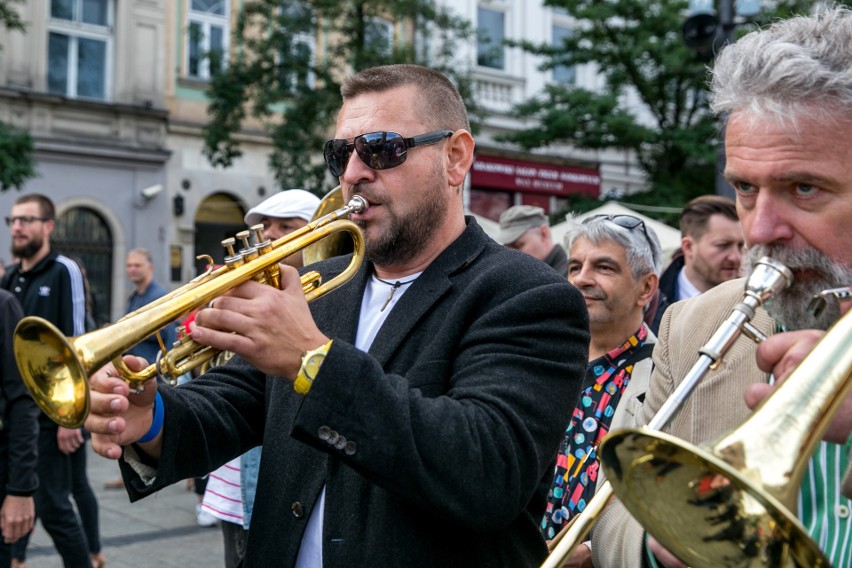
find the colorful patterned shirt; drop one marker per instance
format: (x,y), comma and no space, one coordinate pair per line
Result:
(577,465)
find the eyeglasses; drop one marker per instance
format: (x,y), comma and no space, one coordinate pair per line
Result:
(24,220)
(379,150)
(628,222)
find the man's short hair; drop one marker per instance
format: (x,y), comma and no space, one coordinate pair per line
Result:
(46,208)
(440,105)
(696,214)
(641,244)
(517,220)
(142,252)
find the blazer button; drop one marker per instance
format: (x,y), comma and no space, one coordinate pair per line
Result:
(332,437)
(297,509)
(350,448)
(324,432)
(340,443)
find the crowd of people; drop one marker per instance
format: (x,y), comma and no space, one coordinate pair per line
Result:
(446,405)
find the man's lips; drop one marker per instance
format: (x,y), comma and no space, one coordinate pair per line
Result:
(366,214)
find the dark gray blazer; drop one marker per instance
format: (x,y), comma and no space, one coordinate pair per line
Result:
(436,449)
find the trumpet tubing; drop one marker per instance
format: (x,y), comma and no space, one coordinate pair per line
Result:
(55,368)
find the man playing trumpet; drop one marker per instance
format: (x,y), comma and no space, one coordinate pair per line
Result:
(409,418)
(787,93)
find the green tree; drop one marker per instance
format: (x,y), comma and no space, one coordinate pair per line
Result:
(16,147)
(277,77)
(637,47)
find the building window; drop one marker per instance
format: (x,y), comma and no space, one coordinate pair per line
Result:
(79,48)
(297,52)
(565,74)
(378,35)
(207,37)
(489,48)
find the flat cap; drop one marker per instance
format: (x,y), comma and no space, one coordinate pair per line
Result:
(517,220)
(285,204)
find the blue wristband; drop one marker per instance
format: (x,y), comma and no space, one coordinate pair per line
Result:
(157,424)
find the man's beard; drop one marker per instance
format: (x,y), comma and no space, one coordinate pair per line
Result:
(406,236)
(28,249)
(789,306)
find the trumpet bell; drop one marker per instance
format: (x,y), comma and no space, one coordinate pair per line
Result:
(700,507)
(54,374)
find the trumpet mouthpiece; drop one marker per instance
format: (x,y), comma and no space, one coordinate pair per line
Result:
(358,204)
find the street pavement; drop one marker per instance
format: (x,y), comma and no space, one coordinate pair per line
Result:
(158,531)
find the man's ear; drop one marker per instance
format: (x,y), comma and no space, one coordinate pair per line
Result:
(459,157)
(647,286)
(687,245)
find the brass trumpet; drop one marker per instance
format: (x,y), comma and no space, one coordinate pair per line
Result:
(55,368)
(767,279)
(733,502)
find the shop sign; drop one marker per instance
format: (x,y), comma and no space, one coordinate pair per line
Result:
(532,177)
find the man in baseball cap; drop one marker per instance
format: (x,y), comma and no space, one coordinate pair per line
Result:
(525,228)
(283,213)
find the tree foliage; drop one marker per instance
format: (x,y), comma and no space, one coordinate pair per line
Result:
(637,48)
(16,164)
(16,148)
(295,90)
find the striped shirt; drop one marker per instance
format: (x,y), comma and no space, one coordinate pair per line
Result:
(223,496)
(824,512)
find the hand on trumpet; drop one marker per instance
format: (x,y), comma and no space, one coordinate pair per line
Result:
(268,327)
(119,417)
(779,355)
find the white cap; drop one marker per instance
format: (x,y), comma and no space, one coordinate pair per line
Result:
(284,204)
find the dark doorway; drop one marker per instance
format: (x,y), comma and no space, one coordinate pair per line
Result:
(219,217)
(82,234)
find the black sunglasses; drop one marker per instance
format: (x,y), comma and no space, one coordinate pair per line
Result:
(629,222)
(379,150)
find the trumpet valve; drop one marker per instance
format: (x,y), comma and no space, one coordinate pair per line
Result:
(232,259)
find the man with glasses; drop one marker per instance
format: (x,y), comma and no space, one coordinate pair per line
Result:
(525,228)
(711,252)
(50,285)
(614,261)
(785,93)
(412,416)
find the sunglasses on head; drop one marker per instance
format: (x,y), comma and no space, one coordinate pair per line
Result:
(379,150)
(628,222)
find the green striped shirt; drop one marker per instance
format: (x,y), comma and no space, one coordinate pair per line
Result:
(824,512)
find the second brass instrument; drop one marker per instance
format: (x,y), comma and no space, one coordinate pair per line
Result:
(55,368)
(733,502)
(767,279)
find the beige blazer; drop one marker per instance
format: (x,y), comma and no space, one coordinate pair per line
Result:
(715,407)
